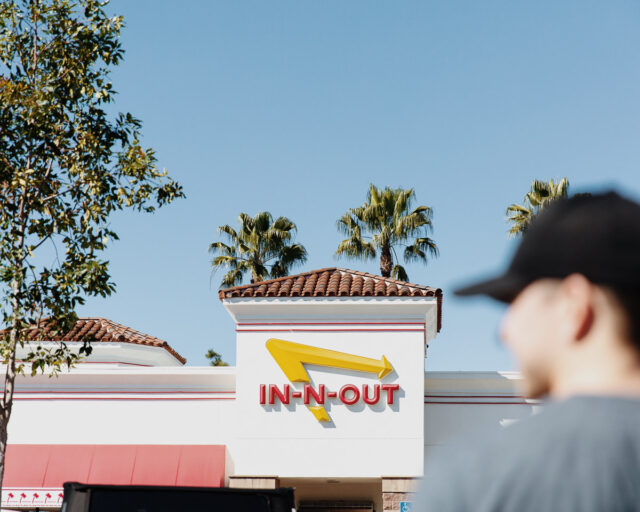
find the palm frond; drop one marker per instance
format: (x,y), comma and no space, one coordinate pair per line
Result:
(225,261)
(259,272)
(246,222)
(373,194)
(387,219)
(232,278)
(290,256)
(398,272)
(420,249)
(401,201)
(541,194)
(227,230)
(518,209)
(347,223)
(409,225)
(357,248)
(282,229)
(294,253)
(262,222)
(260,243)
(220,247)
(518,229)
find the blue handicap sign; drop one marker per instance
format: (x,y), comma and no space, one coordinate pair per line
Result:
(406,506)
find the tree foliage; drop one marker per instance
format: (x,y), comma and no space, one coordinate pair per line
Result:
(215,359)
(387,221)
(262,247)
(66,164)
(540,195)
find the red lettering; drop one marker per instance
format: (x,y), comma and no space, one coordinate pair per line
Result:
(343,394)
(390,389)
(282,396)
(376,394)
(318,396)
(349,394)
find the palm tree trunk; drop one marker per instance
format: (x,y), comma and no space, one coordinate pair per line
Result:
(386,261)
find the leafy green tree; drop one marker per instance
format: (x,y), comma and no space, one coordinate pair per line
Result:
(540,195)
(66,165)
(262,247)
(215,359)
(384,222)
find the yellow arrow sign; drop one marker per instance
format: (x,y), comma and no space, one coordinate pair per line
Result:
(292,357)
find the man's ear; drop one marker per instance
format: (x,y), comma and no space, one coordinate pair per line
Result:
(578,295)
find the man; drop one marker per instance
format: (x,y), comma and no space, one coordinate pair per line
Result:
(573,324)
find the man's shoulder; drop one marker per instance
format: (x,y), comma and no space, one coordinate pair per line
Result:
(567,430)
(582,416)
(554,455)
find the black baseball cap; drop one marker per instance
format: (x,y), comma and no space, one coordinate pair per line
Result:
(596,235)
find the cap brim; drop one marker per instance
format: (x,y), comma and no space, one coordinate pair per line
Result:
(503,288)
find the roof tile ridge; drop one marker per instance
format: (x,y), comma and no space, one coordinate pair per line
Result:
(164,344)
(269,281)
(386,279)
(112,328)
(128,331)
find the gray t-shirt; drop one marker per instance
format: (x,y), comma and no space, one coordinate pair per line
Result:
(579,455)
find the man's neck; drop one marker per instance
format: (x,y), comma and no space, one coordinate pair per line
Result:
(611,373)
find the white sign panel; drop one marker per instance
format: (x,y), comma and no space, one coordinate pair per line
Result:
(340,400)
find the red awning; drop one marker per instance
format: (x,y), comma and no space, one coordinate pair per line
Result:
(35,473)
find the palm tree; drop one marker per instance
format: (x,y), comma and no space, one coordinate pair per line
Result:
(261,247)
(541,195)
(214,358)
(384,222)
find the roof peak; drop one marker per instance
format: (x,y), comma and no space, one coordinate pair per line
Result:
(332,282)
(103,330)
(312,287)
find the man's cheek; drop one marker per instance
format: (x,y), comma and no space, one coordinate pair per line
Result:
(506,330)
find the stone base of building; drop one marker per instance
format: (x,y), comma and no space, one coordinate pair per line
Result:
(395,491)
(254,482)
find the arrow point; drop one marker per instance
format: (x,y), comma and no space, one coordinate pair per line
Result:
(320,413)
(387,368)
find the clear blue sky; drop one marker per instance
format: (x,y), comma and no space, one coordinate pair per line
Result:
(296,106)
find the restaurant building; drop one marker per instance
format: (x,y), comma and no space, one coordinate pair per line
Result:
(329,396)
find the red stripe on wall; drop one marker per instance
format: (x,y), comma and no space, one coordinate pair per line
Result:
(329,330)
(124,398)
(101,362)
(480,403)
(515,397)
(115,362)
(118,392)
(330,323)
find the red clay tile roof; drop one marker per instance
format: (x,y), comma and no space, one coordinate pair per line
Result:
(102,330)
(333,282)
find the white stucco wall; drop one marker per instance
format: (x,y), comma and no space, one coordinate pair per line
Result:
(466,407)
(163,405)
(98,404)
(360,440)
(200,406)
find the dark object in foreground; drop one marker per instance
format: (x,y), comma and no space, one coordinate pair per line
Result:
(150,498)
